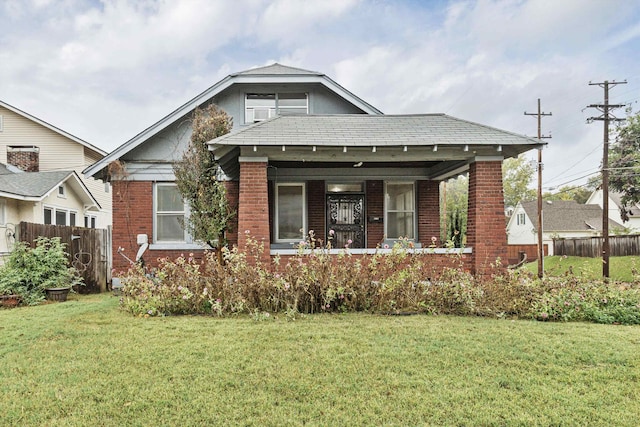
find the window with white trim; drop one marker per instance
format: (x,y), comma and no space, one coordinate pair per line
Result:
(61,191)
(520,219)
(290,212)
(3,215)
(399,210)
(90,221)
(169,212)
(263,106)
(57,216)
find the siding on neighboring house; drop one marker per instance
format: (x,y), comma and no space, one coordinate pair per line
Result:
(56,152)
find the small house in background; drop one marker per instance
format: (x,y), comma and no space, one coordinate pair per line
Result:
(32,145)
(560,219)
(306,154)
(633,224)
(53,197)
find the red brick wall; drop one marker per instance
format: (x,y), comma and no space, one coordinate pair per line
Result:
(428,212)
(253,207)
(132,215)
(316,209)
(486,223)
(375,207)
(233,193)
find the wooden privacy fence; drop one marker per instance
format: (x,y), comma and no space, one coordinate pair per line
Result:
(88,248)
(592,246)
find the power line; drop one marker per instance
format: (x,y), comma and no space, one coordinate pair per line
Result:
(606,117)
(539,115)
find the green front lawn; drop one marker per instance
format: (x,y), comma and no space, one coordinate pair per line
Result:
(620,268)
(84,362)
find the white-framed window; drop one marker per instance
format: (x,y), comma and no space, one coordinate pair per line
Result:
(61,191)
(169,212)
(57,216)
(521,219)
(263,106)
(3,212)
(399,210)
(90,221)
(290,212)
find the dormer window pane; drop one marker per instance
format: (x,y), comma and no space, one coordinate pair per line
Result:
(263,106)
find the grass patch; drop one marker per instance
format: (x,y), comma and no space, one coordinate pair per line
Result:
(620,269)
(86,362)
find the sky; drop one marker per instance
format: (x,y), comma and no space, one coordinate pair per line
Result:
(106,70)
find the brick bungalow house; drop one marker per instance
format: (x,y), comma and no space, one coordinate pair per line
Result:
(307,154)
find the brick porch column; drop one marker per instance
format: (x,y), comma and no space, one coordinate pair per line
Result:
(253,203)
(428,212)
(486,222)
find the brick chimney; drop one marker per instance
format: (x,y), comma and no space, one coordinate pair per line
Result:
(24,157)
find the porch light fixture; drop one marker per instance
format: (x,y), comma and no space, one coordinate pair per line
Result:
(435,147)
(255,148)
(466,147)
(404,148)
(373,149)
(344,149)
(283,148)
(499,148)
(313,149)
(357,165)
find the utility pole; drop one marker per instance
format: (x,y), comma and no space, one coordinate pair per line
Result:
(540,114)
(606,117)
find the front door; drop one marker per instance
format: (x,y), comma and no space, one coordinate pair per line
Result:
(346,217)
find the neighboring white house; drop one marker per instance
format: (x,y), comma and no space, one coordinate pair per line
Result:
(34,145)
(614,209)
(53,197)
(560,218)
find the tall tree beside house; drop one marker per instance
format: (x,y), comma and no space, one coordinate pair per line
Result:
(197,179)
(517,175)
(624,164)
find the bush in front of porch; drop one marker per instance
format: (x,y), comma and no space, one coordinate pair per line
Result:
(398,282)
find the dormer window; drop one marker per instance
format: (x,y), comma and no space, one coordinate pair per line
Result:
(263,106)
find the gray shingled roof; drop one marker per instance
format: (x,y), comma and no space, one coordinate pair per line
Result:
(370,130)
(567,215)
(4,170)
(31,184)
(276,69)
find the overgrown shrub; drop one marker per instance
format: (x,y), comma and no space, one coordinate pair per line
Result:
(29,271)
(316,281)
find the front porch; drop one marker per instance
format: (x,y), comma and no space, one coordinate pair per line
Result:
(366,182)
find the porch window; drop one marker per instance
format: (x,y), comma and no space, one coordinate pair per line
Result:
(263,106)
(290,212)
(169,214)
(399,210)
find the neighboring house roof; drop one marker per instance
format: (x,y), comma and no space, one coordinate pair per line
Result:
(53,128)
(35,186)
(275,73)
(616,197)
(567,215)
